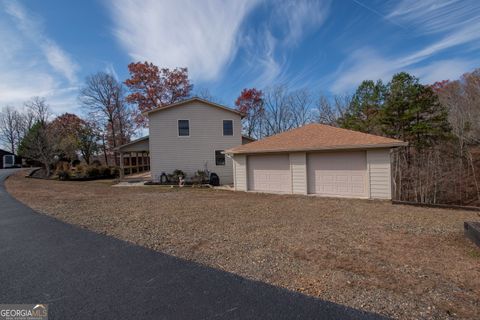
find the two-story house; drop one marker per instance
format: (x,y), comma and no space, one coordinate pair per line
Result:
(190,135)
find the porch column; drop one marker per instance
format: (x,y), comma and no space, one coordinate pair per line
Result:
(130,163)
(122,166)
(138,164)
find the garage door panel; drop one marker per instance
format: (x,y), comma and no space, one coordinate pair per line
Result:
(269,173)
(338,174)
(358,179)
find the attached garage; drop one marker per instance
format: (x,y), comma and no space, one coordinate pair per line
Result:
(319,160)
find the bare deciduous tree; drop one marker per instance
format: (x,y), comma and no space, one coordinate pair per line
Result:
(300,102)
(38,111)
(330,111)
(9,128)
(278,112)
(103,95)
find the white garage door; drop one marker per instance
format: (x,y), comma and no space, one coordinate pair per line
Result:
(269,173)
(341,174)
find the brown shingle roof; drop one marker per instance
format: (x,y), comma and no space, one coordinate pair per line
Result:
(313,137)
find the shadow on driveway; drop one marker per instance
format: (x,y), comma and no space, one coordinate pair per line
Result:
(84,275)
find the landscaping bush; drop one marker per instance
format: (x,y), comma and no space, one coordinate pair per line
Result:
(75,162)
(104,171)
(80,171)
(63,174)
(96,163)
(114,172)
(200,177)
(93,172)
(175,176)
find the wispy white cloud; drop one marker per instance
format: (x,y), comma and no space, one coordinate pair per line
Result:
(200,35)
(362,64)
(443,70)
(433,16)
(455,24)
(110,69)
(31,63)
(32,28)
(261,58)
(267,46)
(297,18)
(368,64)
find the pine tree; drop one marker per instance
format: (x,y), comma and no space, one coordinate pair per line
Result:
(413,113)
(364,110)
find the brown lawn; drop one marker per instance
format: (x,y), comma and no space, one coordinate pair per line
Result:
(400,261)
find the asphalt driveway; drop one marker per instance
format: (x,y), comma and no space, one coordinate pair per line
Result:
(81,274)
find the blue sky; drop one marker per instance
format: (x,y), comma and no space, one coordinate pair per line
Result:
(48,47)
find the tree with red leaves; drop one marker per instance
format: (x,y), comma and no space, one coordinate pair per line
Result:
(152,87)
(250,103)
(440,85)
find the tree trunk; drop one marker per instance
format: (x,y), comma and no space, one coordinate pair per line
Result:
(104,147)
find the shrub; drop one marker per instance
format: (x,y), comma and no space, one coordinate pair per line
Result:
(63,174)
(75,162)
(175,176)
(93,172)
(80,171)
(200,177)
(62,165)
(104,171)
(114,172)
(96,163)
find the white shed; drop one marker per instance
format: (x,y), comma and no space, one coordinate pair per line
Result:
(316,159)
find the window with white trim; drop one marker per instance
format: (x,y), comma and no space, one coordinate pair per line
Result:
(183,128)
(228,127)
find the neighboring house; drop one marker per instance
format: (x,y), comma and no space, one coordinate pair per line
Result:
(190,135)
(316,159)
(17,161)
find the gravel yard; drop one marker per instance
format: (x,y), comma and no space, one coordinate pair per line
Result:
(400,261)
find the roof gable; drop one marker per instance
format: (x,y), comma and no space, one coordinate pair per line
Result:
(5,152)
(195,99)
(314,137)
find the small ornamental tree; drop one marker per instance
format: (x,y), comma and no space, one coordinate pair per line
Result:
(41,144)
(66,127)
(152,87)
(87,137)
(250,103)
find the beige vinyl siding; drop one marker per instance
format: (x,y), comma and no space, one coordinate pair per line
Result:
(379,173)
(240,172)
(168,151)
(298,165)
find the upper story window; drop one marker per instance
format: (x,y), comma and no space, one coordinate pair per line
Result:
(183,128)
(228,127)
